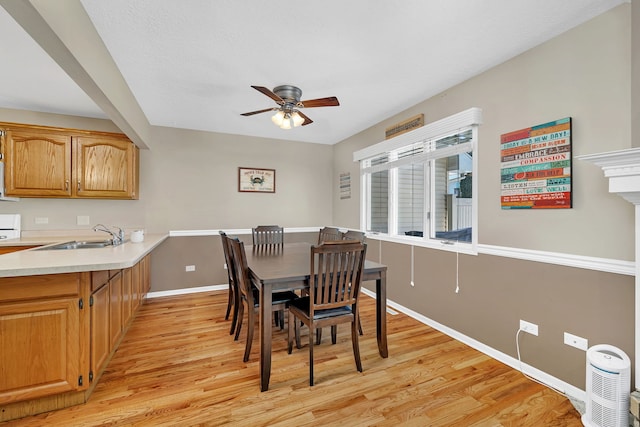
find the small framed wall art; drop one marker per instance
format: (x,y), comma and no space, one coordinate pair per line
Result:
(254,180)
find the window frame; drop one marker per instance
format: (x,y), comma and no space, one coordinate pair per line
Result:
(427,136)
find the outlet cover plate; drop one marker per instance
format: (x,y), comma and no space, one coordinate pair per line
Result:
(576,341)
(528,327)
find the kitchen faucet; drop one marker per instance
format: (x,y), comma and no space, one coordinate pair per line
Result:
(117,238)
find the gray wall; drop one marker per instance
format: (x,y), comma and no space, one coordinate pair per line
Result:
(585,74)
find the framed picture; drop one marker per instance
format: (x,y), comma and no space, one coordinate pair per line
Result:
(254,180)
(535,167)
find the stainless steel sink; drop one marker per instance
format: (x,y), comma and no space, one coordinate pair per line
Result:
(86,244)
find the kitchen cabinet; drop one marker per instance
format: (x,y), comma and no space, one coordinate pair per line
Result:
(37,162)
(107,322)
(68,163)
(41,336)
(105,167)
(113,294)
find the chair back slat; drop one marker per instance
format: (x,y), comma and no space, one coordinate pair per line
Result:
(336,272)
(228,257)
(241,269)
(329,234)
(267,235)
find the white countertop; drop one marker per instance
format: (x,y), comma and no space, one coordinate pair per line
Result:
(32,262)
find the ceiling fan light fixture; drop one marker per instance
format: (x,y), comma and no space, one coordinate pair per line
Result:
(297,118)
(288,99)
(287,123)
(278,118)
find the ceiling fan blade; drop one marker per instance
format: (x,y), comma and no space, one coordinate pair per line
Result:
(307,120)
(269,93)
(330,101)
(251,113)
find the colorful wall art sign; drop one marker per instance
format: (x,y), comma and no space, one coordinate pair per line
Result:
(535,167)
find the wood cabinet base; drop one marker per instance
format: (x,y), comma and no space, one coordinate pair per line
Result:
(15,410)
(58,333)
(25,408)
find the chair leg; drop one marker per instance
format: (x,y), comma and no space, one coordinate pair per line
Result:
(356,346)
(311,354)
(334,334)
(297,327)
(229,303)
(250,327)
(239,324)
(290,332)
(318,336)
(234,321)
(236,303)
(360,325)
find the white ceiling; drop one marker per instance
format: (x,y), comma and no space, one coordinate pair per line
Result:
(190,63)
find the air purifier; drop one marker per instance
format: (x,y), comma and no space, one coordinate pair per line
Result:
(608,387)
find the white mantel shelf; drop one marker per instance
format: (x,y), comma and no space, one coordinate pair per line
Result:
(623,170)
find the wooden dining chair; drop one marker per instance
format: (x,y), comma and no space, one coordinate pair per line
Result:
(334,288)
(249,295)
(329,234)
(347,235)
(267,235)
(234,299)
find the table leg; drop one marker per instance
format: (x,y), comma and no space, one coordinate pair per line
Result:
(381,314)
(265,336)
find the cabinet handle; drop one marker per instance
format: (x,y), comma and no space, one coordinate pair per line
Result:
(78,185)
(66,185)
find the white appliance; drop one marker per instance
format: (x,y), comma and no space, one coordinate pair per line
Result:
(608,387)
(9,226)
(2,195)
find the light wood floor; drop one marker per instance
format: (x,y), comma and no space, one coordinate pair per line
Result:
(178,366)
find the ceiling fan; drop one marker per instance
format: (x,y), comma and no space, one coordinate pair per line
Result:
(288,99)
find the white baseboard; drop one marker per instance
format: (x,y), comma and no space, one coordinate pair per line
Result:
(185,291)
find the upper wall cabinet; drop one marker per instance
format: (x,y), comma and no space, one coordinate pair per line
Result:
(53,162)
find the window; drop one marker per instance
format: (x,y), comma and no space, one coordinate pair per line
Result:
(419,185)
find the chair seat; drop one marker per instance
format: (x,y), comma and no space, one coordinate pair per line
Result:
(276,298)
(303,303)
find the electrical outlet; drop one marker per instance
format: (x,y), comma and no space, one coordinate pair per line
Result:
(528,327)
(189,268)
(576,341)
(41,220)
(82,220)
(225,266)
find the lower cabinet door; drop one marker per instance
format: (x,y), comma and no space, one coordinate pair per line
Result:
(100,337)
(115,309)
(32,368)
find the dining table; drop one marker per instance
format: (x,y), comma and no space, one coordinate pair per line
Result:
(275,268)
